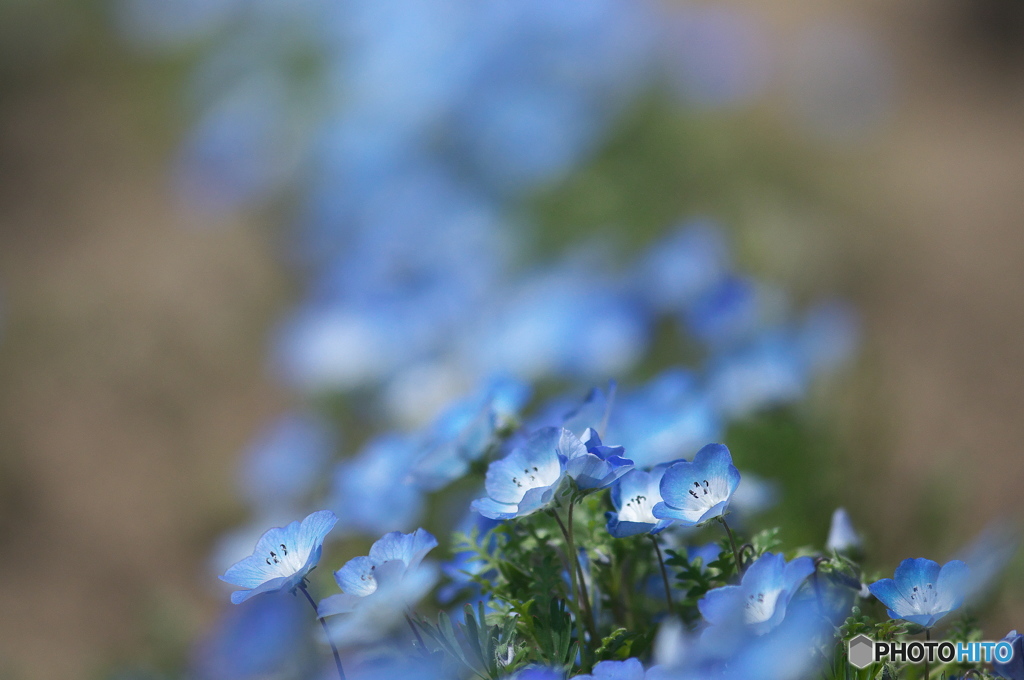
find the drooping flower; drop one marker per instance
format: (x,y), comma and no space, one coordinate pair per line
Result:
(1014,668)
(696,492)
(379,587)
(842,537)
(761,598)
(282,558)
(634,497)
(526,480)
(921,591)
(590,463)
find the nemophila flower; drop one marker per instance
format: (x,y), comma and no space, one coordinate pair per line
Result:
(527,479)
(987,557)
(634,497)
(592,413)
(765,372)
(379,587)
(590,463)
(664,420)
(465,431)
(1014,668)
(374,492)
(922,592)
(263,637)
(683,265)
(282,558)
(842,537)
(286,461)
(630,669)
(538,673)
(761,598)
(696,492)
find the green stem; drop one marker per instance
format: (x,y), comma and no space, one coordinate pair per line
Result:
(584,593)
(571,566)
(732,542)
(927,666)
(327,633)
(664,575)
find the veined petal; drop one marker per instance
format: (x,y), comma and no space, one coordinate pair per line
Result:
(890,595)
(490,508)
(916,572)
(409,548)
(722,605)
(357,576)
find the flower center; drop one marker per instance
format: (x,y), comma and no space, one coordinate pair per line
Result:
(923,598)
(760,606)
(638,508)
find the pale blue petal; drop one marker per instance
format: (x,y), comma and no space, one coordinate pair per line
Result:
(916,572)
(503,482)
(488,507)
(722,605)
(890,595)
(342,603)
(409,548)
(314,529)
(357,576)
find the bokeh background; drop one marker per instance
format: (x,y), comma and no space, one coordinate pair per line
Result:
(879,156)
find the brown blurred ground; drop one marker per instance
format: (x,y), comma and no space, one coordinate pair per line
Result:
(133,343)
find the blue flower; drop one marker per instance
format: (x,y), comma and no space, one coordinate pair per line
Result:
(286,461)
(634,497)
(1014,668)
(842,537)
(664,420)
(379,587)
(696,492)
(761,598)
(465,431)
(526,480)
(378,477)
(630,669)
(261,638)
(282,558)
(922,592)
(592,464)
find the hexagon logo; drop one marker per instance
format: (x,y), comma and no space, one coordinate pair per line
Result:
(861,651)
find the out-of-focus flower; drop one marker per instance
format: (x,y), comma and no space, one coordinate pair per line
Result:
(378,588)
(922,592)
(842,537)
(286,461)
(683,265)
(526,480)
(761,598)
(590,463)
(664,420)
(259,638)
(987,557)
(1014,668)
(698,491)
(634,497)
(465,431)
(282,558)
(630,669)
(379,476)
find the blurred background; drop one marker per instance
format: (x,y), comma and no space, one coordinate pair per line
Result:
(177,185)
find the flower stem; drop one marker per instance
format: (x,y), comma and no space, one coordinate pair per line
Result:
(732,542)
(664,575)
(574,579)
(337,657)
(927,666)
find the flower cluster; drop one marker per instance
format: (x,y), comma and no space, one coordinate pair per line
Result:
(419,149)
